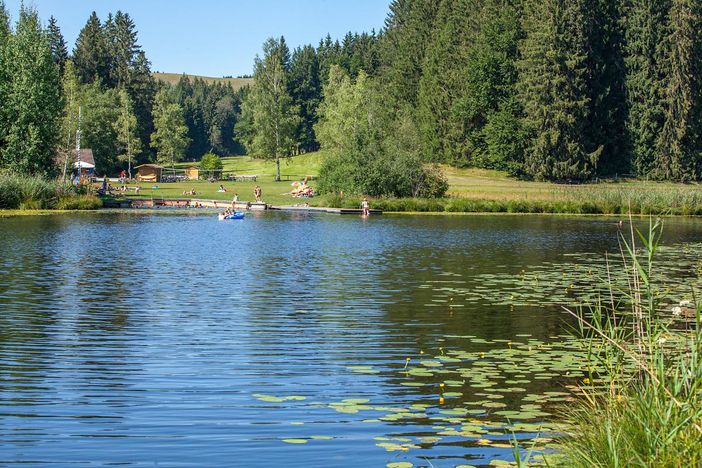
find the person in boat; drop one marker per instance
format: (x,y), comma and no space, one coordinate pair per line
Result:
(365,207)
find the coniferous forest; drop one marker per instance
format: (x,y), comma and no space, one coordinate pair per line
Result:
(561,90)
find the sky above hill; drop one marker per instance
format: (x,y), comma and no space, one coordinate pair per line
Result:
(216,37)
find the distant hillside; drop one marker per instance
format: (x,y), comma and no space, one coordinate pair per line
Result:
(174,77)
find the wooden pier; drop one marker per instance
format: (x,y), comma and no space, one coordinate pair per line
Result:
(317,209)
(223,204)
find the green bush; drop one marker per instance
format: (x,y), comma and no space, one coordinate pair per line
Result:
(30,192)
(36,193)
(211,162)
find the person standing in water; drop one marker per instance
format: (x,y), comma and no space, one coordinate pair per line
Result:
(365,207)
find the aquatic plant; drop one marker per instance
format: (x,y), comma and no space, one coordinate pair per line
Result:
(35,193)
(646,408)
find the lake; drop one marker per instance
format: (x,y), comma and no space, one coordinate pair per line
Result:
(289,339)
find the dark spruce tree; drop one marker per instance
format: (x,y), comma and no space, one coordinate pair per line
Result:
(409,28)
(59,51)
(679,153)
(124,48)
(606,125)
(645,35)
(328,54)
(443,82)
(142,90)
(306,91)
(90,55)
(488,110)
(553,91)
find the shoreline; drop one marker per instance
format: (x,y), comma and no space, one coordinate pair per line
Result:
(4,213)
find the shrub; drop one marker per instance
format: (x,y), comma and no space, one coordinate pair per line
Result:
(28,192)
(211,162)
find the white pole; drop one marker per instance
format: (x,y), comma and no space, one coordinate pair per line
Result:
(80,111)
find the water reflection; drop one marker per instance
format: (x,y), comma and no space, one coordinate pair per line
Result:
(137,338)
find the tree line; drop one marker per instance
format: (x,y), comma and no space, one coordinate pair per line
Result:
(564,90)
(127,117)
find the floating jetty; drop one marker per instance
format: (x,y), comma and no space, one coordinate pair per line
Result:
(222,204)
(317,209)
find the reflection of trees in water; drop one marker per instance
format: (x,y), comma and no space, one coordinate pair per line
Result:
(65,298)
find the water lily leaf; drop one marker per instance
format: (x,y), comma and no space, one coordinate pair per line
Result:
(295,441)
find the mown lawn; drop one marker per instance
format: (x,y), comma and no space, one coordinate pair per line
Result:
(465,185)
(275,193)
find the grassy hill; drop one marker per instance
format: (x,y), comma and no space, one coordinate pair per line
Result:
(173,78)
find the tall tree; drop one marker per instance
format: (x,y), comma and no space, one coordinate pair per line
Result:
(33,99)
(306,90)
(90,55)
(170,137)
(645,79)
(553,90)
(484,114)
(679,155)
(142,90)
(443,81)
(100,109)
(124,48)
(70,89)
(274,115)
(5,111)
(409,28)
(125,126)
(606,124)
(59,51)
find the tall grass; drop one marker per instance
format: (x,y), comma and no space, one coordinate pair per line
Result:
(646,409)
(36,193)
(575,201)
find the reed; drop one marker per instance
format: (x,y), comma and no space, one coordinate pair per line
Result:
(36,193)
(646,409)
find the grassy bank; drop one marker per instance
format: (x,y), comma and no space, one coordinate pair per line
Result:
(645,408)
(602,203)
(35,193)
(470,191)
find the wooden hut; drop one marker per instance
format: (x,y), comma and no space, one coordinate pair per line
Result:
(87,162)
(149,173)
(192,172)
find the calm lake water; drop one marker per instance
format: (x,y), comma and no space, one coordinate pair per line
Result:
(283,340)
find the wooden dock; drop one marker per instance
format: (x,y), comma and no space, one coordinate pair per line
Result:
(317,209)
(222,204)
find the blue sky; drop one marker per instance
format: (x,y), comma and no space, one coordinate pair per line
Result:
(216,37)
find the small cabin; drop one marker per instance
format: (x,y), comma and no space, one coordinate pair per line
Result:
(87,162)
(149,173)
(192,172)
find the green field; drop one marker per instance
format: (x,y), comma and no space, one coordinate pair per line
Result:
(470,190)
(295,168)
(173,78)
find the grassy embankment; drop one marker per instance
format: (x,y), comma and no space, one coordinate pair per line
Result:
(470,190)
(33,195)
(173,78)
